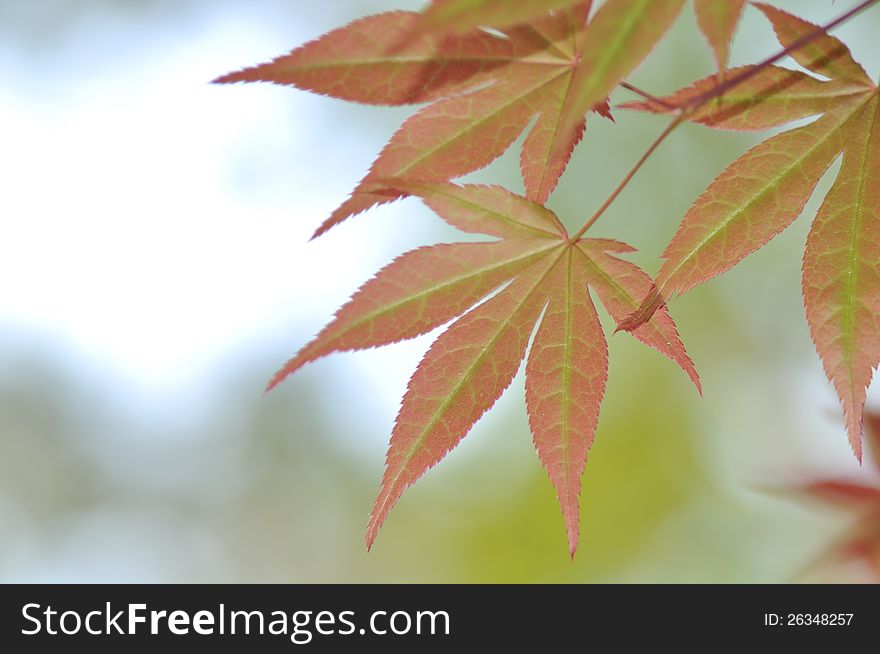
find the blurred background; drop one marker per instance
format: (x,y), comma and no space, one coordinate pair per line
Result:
(156,271)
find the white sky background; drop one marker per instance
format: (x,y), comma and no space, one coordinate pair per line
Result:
(152,221)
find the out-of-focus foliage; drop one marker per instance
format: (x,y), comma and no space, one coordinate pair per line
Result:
(856,553)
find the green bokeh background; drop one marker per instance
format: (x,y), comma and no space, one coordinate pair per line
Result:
(219,483)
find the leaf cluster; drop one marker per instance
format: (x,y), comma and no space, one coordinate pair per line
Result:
(483,72)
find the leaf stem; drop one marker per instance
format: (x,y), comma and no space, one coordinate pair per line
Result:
(678,120)
(751,71)
(647,96)
(687,109)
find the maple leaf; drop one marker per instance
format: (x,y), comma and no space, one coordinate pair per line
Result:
(763,192)
(540,271)
(484,89)
(718,20)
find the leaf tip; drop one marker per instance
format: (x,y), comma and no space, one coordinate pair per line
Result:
(572,543)
(854,431)
(373,526)
(277,378)
(690,370)
(366,196)
(290,367)
(227,78)
(385,501)
(568,500)
(324,227)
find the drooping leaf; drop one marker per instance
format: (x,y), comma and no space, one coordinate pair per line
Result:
(419,291)
(462,375)
(473,361)
(841,276)
(762,192)
(718,20)
(565,382)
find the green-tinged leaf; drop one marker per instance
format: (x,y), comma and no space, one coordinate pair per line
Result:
(770,98)
(489,72)
(359,62)
(448,139)
(462,375)
(618,38)
(416,293)
(473,361)
(565,382)
(460,134)
(491,210)
(762,192)
(758,196)
(825,55)
(620,286)
(766,189)
(541,162)
(718,20)
(605,245)
(548,148)
(485,89)
(841,277)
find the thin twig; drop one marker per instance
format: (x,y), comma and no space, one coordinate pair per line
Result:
(678,120)
(686,110)
(647,96)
